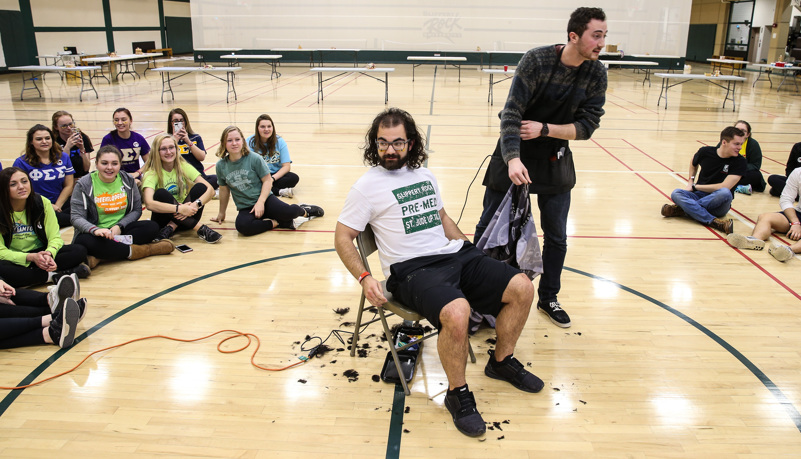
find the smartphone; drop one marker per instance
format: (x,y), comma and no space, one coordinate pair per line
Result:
(126,239)
(177,126)
(183,248)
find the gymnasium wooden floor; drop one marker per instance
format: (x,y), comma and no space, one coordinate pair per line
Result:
(681,346)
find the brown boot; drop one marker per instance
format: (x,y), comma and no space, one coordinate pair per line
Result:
(162,247)
(92,261)
(725,226)
(672,210)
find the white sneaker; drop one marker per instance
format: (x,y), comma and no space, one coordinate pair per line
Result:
(745,242)
(216,194)
(781,252)
(286,192)
(299,221)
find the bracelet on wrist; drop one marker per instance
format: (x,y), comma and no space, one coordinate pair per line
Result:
(795,223)
(363,275)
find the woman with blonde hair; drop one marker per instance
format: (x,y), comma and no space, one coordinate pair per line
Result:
(245,177)
(175,192)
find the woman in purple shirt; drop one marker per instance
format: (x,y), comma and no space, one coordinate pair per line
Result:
(132,144)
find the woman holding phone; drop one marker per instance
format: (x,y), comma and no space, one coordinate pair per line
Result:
(247,179)
(73,141)
(106,207)
(190,144)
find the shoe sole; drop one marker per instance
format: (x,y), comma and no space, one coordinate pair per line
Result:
(743,242)
(65,288)
(567,325)
(69,321)
(781,254)
(490,373)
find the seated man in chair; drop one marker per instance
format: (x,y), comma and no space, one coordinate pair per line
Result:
(431,266)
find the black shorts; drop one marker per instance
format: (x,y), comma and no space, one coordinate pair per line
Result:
(427,284)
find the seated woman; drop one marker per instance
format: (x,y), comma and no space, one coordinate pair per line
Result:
(247,179)
(272,147)
(32,251)
(50,170)
(777,181)
(175,192)
(131,144)
(787,221)
(73,142)
(57,315)
(190,144)
(106,207)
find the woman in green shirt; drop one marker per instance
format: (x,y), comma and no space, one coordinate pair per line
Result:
(247,179)
(106,206)
(31,250)
(175,192)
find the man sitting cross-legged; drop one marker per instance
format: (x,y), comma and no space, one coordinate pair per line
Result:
(431,266)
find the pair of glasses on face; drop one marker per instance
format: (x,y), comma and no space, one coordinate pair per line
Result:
(65,126)
(397,145)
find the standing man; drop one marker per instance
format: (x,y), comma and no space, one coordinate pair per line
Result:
(557,95)
(710,199)
(430,265)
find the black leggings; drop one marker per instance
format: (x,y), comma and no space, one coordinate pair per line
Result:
(777,183)
(212,179)
(63,217)
(27,303)
(69,256)
(162,195)
(143,232)
(248,225)
(20,331)
(287,180)
(753,178)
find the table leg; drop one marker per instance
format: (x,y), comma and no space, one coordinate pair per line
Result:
(231,88)
(386,87)
(489,94)
(319,86)
(664,90)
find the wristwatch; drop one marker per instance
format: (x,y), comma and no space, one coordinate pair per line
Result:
(544,131)
(199,203)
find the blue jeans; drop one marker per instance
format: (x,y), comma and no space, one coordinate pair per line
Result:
(701,206)
(553,225)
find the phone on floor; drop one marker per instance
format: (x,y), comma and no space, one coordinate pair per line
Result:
(183,248)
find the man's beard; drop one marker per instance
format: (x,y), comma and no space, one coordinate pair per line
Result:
(396,163)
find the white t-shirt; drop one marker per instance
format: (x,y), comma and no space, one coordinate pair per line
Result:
(402,206)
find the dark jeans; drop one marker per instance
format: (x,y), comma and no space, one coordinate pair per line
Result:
(162,195)
(248,225)
(18,332)
(287,180)
(553,225)
(777,183)
(143,232)
(63,217)
(69,256)
(27,303)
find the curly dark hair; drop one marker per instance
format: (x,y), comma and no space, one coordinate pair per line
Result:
(580,19)
(392,117)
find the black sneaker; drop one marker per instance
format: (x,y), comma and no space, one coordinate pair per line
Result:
(462,406)
(62,327)
(208,235)
(82,308)
(312,211)
(555,312)
(165,233)
(65,288)
(514,373)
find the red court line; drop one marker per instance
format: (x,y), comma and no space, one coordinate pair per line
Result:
(646,154)
(337,89)
(292,81)
(636,105)
(629,168)
(316,91)
(624,108)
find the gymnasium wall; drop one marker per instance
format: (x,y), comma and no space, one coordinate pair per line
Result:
(637,26)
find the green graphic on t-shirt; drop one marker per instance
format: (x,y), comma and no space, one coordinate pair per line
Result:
(414,191)
(421,222)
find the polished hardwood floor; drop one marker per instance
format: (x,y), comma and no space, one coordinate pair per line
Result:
(681,346)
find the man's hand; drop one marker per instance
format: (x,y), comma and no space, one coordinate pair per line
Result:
(373,291)
(518,173)
(795,232)
(530,129)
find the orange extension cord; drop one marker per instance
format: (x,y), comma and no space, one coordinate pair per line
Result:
(237,334)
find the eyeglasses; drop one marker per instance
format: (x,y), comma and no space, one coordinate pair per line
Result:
(65,126)
(397,145)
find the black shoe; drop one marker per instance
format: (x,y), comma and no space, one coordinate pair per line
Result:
(312,211)
(62,327)
(81,271)
(65,288)
(82,308)
(513,372)
(462,406)
(165,233)
(208,235)
(555,312)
